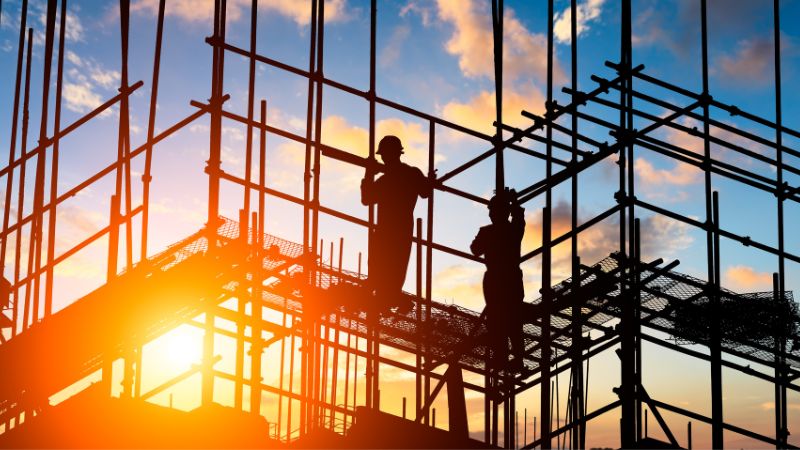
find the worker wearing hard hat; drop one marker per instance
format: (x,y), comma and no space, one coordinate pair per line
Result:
(503,290)
(395,193)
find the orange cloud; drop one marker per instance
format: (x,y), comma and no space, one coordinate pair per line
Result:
(203,10)
(747,279)
(461,284)
(478,112)
(338,132)
(681,174)
(751,63)
(524,53)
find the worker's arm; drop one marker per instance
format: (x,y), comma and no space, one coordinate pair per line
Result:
(517,214)
(368,195)
(425,185)
(478,246)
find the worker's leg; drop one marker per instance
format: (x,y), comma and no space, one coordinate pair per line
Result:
(516,319)
(495,321)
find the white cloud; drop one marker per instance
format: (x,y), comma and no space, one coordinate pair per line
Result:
(417,7)
(80,97)
(105,78)
(74,58)
(588,11)
(84,79)
(391,52)
(75,30)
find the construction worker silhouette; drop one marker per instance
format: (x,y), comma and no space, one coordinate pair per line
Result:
(503,291)
(395,193)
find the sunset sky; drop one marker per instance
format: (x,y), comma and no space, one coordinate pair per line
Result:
(436,57)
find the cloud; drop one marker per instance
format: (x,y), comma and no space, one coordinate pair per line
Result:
(203,10)
(391,52)
(80,97)
(192,213)
(747,279)
(424,12)
(83,79)
(524,65)
(74,32)
(339,133)
(459,283)
(662,238)
(300,12)
(524,53)
(89,69)
(589,11)
(752,62)
(478,113)
(682,174)
(695,144)
(651,27)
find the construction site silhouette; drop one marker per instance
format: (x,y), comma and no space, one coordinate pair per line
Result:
(296,349)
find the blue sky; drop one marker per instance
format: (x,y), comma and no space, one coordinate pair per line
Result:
(434,56)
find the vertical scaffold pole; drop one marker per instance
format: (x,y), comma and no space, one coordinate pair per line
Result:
(544,385)
(212,168)
(628,345)
(426,311)
(712,239)
(51,233)
(373,319)
(306,359)
(151,124)
(576,389)
(13,146)
(35,243)
(781,424)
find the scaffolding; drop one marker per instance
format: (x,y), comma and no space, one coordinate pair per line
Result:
(288,295)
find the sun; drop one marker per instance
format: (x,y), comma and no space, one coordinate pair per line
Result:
(180,348)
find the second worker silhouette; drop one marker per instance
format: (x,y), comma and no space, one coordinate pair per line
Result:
(395,193)
(503,288)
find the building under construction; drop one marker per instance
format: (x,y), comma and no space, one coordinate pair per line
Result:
(292,353)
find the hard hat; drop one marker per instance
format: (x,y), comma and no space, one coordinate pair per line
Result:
(501,199)
(390,144)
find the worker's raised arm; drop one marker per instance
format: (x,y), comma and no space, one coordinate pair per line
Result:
(517,213)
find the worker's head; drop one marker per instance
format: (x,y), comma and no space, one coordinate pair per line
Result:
(500,207)
(390,150)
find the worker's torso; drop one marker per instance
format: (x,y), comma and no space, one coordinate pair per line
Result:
(502,249)
(397,193)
